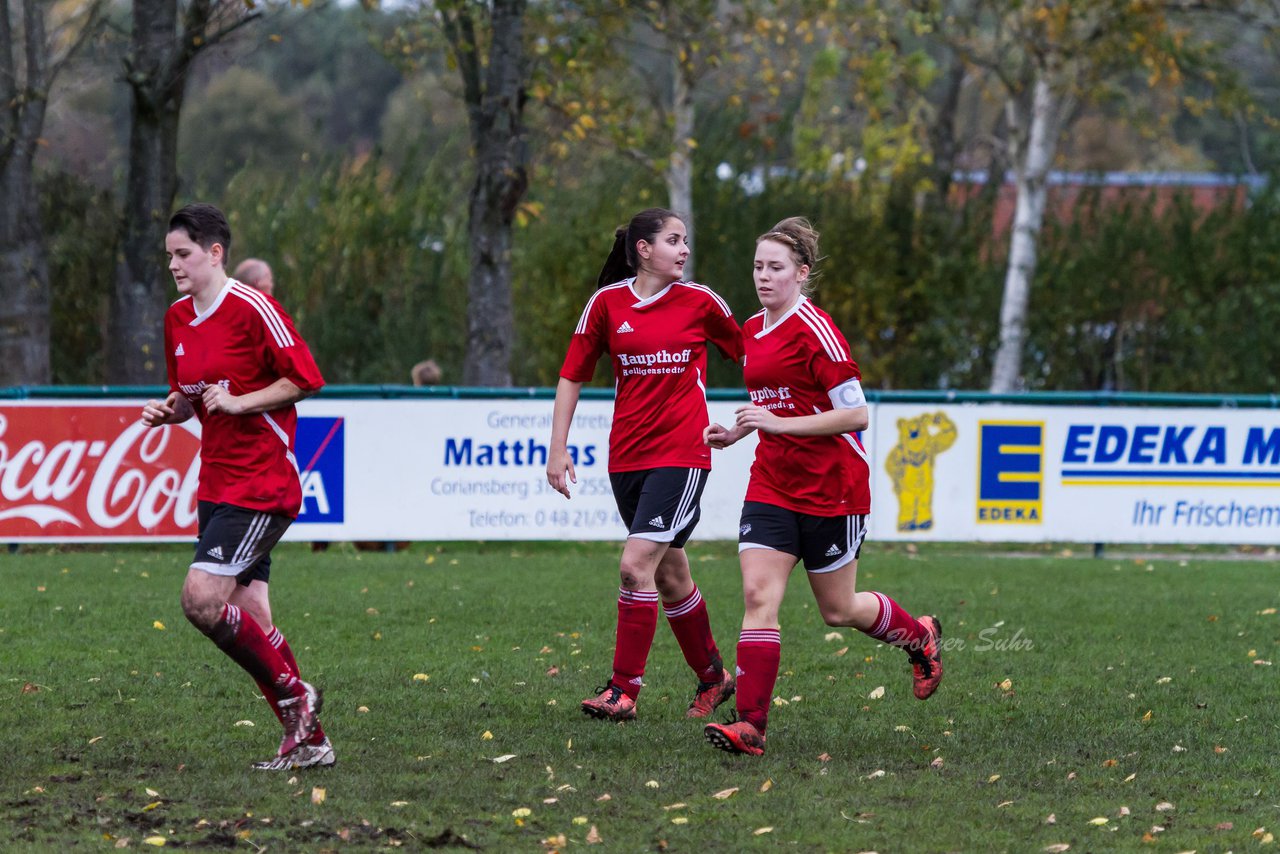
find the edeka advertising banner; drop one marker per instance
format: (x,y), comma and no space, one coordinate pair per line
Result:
(475,470)
(1075,474)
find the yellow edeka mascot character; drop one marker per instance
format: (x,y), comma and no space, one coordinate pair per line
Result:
(910,465)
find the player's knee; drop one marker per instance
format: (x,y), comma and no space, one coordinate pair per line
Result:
(200,612)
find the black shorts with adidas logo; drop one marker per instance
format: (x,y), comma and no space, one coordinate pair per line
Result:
(824,543)
(237,541)
(662,504)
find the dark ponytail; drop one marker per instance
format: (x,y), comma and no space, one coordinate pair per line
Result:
(615,267)
(623,261)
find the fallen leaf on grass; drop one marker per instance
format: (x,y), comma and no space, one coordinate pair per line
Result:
(1218,748)
(993,778)
(902,728)
(149,807)
(317,795)
(158,625)
(825,757)
(1052,818)
(152,793)
(1146,719)
(95,739)
(506,757)
(605,797)
(1110,763)
(1130,778)
(579,819)
(1226,825)
(364,710)
(30,688)
(725,794)
(652,784)
(842,651)
(832,636)
(593,836)
(936,763)
(876,693)
(522,812)
(399,803)
(1178,748)
(1006,685)
(558,841)
(244,723)
(1123,811)
(766,785)
(680,819)
(1164,806)
(1004,804)
(122,842)
(421,677)
(876,774)
(1100,820)
(486,736)
(1057,848)
(761,831)
(158,841)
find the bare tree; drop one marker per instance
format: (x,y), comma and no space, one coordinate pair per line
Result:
(166,39)
(493,89)
(28,67)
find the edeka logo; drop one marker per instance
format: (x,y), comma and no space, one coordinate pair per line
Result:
(1010,472)
(320,447)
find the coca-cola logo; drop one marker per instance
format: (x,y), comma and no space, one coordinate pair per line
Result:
(96,472)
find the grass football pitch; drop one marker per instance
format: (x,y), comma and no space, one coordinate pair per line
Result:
(1121,703)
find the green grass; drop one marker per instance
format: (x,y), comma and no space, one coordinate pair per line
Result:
(1139,689)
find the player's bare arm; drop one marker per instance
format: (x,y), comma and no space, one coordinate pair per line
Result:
(174,409)
(279,394)
(560,471)
(830,423)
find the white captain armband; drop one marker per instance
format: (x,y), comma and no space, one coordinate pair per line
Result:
(848,395)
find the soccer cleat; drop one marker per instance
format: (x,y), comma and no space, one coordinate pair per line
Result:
(303,756)
(736,737)
(710,695)
(926,664)
(299,715)
(612,704)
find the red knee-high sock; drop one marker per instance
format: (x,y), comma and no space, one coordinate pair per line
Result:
(243,641)
(637,621)
(276,638)
(759,651)
(896,627)
(692,627)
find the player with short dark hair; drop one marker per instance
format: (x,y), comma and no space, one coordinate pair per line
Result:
(237,363)
(809,494)
(655,328)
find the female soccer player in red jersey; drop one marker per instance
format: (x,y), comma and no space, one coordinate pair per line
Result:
(655,327)
(808,496)
(236,362)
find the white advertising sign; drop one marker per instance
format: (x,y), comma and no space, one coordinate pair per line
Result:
(447,469)
(1075,474)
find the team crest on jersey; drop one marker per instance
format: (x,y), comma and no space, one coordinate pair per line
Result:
(625,327)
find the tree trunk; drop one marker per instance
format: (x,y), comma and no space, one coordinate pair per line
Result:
(497,130)
(156,72)
(679,173)
(24,268)
(1031,167)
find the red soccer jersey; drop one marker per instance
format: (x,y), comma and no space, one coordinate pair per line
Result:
(658,347)
(245,342)
(789,369)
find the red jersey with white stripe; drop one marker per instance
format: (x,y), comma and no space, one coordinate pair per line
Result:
(658,347)
(245,342)
(790,368)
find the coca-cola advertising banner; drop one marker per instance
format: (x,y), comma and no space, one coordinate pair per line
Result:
(94,473)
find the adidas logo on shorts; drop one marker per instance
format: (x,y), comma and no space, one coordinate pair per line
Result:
(655,522)
(625,327)
(834,551)
(215,552)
